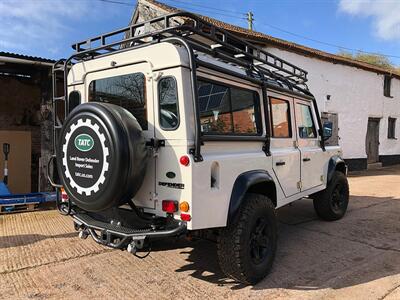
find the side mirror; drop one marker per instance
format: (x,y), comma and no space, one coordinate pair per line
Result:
(327,129)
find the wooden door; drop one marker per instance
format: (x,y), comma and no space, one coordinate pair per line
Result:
(372,140)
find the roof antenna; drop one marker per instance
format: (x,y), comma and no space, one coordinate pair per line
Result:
(250,20)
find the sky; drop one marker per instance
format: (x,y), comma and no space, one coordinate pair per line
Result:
(48,28)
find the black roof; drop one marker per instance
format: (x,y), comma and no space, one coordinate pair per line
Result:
(27,57)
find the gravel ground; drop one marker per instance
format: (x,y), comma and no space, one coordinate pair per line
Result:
(357,257)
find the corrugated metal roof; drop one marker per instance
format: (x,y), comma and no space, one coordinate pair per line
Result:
(26,57)
(282,44)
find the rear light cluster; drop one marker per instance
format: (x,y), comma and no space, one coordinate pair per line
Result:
(64,196)
(171,206)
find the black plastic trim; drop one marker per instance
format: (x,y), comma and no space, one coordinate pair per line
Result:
(333,163)
(242,184)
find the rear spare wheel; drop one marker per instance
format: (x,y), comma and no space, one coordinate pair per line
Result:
(101,156)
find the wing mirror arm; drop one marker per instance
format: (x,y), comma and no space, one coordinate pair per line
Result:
(327,130)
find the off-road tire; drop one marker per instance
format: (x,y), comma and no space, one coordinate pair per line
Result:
(327,205)
(235,241)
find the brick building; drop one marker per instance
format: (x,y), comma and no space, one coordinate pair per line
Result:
(25,119)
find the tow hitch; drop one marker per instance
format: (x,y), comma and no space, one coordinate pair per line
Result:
(116,236)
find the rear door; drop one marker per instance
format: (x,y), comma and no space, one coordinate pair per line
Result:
(312,156)
(131,88)
(285,155)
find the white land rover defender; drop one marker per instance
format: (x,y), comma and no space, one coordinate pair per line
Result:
(186,128)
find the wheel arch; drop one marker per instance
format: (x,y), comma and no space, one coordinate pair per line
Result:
(256,181)
(336,163)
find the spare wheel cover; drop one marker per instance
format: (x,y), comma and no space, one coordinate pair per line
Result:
(101,156)
(85,165)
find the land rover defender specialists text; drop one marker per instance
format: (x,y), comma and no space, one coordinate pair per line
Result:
(185,128)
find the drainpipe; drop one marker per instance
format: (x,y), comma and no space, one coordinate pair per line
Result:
(24,61)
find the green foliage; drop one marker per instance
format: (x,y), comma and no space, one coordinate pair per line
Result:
(373,59)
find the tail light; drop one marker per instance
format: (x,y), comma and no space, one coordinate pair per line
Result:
(170,206)
(184,160)
(64,195)
(186,217)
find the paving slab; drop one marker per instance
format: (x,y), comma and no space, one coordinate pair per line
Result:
(357,257)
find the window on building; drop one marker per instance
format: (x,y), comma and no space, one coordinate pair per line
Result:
(127,91)
(387,82)
(228,110)
(280,118)
(168,101)
(391,128)
(305,122)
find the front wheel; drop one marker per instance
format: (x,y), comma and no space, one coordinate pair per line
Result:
(247,246)
(331,203)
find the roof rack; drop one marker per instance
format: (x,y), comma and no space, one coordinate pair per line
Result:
(203,37)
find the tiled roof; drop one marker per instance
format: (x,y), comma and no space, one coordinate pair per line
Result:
(26,57)
(263,38)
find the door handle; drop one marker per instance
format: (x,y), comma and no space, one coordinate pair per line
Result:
(306,159)
(280,163)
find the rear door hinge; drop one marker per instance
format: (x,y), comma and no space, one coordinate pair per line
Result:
(155,143)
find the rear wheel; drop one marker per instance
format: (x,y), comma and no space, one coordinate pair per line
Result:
(247,246)
(331,203)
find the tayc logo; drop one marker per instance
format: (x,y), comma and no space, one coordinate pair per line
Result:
(84,142)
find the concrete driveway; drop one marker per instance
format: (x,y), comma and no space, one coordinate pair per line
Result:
(357,257)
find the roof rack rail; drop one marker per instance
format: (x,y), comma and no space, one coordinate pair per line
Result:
(203,37)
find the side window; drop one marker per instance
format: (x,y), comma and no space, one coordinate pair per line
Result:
(280,118)
(391,128)
(245,111)
(228,110)
(168,102)
(127,91)
(74,99)
(305,122)
(387,82)
(215,108)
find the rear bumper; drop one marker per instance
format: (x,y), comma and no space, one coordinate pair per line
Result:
(117,236)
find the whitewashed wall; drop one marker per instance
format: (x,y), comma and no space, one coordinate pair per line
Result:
(356,95)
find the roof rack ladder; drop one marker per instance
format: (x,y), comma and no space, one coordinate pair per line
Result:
(58,69)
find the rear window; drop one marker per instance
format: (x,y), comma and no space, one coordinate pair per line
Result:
(168,101)
(127,91)
(228,110)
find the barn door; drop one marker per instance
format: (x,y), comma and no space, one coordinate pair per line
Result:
(372,140)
